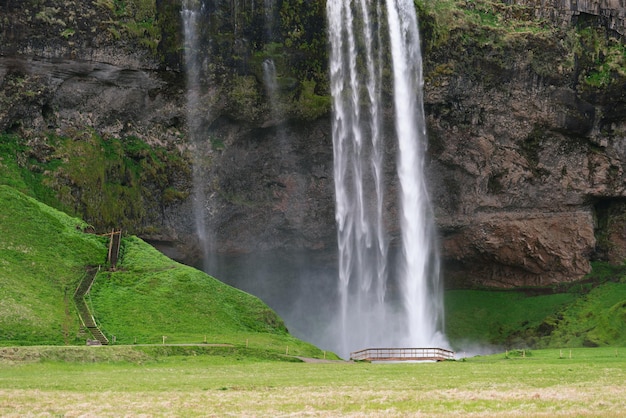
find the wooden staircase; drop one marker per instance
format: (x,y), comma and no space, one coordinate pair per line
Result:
(115,239)
(83,309)
(114,248)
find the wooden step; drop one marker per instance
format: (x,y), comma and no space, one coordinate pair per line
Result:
(98,335)
(83,309)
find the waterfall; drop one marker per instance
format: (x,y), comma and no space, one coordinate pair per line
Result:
(271,86)
(270,10)
(191,13)
(420,260)
(368,315)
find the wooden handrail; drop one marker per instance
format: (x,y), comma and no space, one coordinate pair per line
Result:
(84,312)
(403,354)
(114,247)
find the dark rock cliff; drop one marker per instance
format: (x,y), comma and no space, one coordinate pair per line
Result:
(527,127)
(528,161)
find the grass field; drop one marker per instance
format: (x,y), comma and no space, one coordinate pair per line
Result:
(131,382)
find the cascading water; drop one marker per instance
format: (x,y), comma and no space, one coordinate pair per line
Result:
(270,77)
(357,165)
(271,86)
(420,260)
(368,316)
(190,13)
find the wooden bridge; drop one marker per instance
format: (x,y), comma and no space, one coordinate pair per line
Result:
(403,354)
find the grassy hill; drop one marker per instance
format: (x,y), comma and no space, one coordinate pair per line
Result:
(44,254)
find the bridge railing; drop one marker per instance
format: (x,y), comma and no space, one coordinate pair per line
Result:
(402,354)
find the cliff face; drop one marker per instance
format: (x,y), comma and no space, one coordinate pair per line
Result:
(528,161)
(610,14)
(527,128)
(114,71)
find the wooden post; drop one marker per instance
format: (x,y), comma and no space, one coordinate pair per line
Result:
(560,353)
(110,246)
(570,354)
(287,351)
(164,338)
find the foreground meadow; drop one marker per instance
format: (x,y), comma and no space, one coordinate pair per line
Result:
(543,383)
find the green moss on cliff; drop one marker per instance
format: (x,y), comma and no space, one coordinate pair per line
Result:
(479,19)
(133,19)
(109,182)
(488,42)
(302,28)
(489,37)
(313,105)
(600,58)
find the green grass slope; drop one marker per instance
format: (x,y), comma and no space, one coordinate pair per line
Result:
(44,254)
(586,314)
(150,296)
(498,317)
(595,319)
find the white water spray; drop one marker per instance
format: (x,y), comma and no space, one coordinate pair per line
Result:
(368,315)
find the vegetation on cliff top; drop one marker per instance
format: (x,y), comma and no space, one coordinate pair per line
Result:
(487,34)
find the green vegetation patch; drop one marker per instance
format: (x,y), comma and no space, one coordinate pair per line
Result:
(482,39)
(497,317)
(150,299)
(133,19)
(43,254)
(151,296)
(109,182)
(588,313)
(602,57)
(597,318)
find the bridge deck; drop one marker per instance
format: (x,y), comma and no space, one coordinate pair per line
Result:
(403,354)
